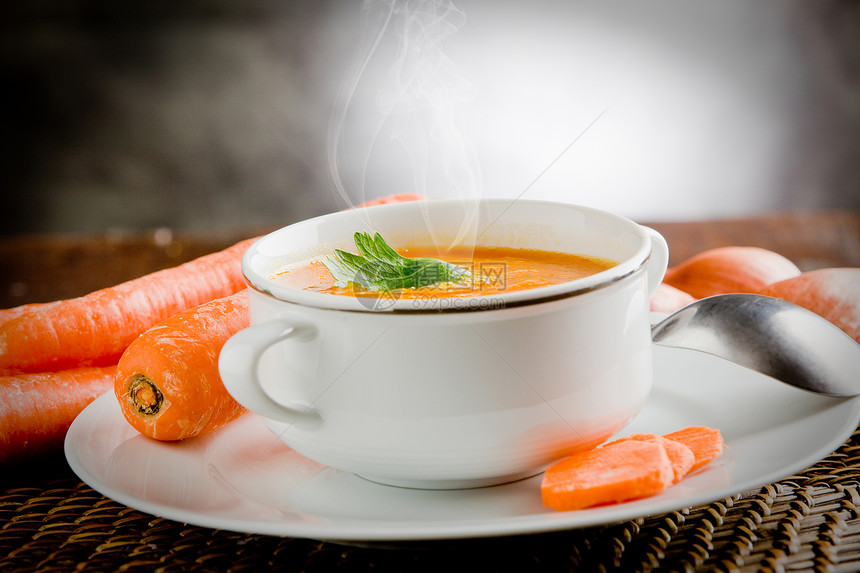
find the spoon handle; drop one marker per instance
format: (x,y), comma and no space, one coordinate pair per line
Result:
(768,335)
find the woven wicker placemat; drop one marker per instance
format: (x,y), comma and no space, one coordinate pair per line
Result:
(807,522)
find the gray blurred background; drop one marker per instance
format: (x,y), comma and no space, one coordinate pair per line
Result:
(200,116)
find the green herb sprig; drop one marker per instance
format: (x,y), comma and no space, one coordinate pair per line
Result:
(378,267)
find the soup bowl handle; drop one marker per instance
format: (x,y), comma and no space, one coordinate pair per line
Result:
(658,262)
(238,364)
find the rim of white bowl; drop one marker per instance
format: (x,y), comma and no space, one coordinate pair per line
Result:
(633,264)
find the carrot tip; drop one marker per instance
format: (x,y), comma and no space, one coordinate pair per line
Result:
(144,396)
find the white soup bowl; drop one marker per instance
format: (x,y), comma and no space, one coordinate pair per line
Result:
(441,392)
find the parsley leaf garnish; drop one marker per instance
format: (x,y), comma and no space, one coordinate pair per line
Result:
(378,267)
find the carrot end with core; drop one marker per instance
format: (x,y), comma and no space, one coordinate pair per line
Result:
(144,396)
(167,381)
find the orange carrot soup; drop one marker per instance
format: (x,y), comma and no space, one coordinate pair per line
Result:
(492,270)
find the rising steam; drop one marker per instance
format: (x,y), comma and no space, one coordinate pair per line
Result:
(402,106)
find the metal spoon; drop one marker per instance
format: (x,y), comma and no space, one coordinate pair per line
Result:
(770,336)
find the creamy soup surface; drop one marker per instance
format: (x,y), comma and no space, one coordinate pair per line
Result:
(493,270)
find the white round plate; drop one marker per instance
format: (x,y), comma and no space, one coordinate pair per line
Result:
(242,478)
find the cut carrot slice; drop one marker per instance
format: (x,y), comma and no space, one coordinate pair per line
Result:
(681,456)
(625,470)
(706,443)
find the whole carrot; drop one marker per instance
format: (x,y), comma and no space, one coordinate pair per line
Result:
(729,269)
(398,198)
(833,293)
(93,330)
(37,409)
(167,381)
(7,314)
(668,299)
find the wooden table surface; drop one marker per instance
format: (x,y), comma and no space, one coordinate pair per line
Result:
(42,268)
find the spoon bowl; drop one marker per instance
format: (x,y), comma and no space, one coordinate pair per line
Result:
(768,335)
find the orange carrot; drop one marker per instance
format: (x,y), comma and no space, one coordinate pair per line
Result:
(833,293)
(728,270)
(93,330)
(636,466)
(400,198)
(668,299)
(705,443)
(167,381)
(681,457)
(37,409)
(7,314)
(617,472)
